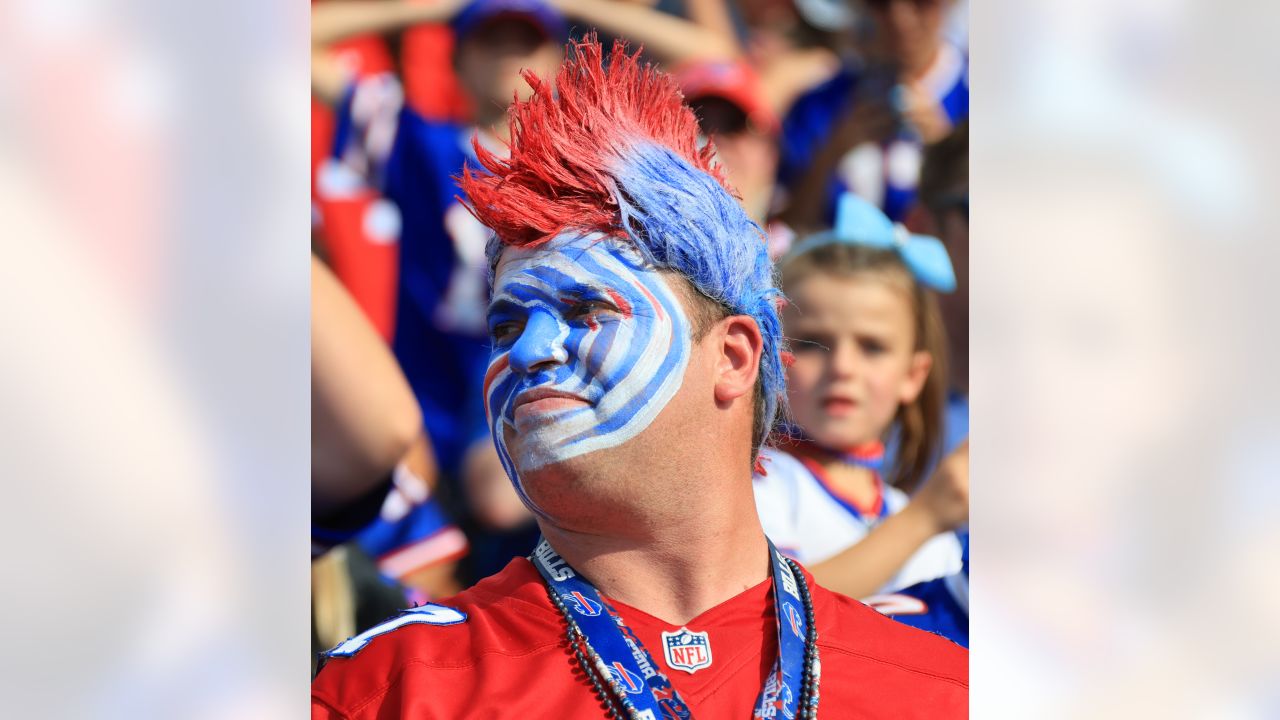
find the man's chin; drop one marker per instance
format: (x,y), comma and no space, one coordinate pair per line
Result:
(534,463)
(542,469)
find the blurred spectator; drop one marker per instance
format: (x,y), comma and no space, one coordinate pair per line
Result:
(944,212)
(944,196)
(863,131)
(357,233)
(431,84)
(363,416)
(440,331)
(372,469)
(735,115)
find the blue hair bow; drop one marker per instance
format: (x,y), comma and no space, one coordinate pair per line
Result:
(858,222)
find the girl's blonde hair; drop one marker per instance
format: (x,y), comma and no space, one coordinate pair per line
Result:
(919,423)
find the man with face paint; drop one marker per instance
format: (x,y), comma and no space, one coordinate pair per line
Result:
(636,369)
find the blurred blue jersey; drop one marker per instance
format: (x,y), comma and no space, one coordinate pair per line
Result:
(940,606)
(884,173)
(440,333)
(412,530)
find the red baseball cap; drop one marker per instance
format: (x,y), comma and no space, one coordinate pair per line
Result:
(734,81)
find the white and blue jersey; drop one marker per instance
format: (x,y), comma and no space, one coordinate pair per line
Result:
(440,336)
(884,173)
(940,606)
(808,521)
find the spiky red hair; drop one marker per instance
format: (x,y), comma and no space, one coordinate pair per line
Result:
(567,141)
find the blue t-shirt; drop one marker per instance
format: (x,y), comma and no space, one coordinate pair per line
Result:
(884,173)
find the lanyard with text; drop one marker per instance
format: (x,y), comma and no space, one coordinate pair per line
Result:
(632,672)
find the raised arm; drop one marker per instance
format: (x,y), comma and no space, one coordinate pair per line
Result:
(364,416)
(713,15)
(341,19)
(669,39)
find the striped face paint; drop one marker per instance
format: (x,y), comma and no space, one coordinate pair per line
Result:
(589,344)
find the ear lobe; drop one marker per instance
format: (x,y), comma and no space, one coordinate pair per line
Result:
(917,373)
(740,346)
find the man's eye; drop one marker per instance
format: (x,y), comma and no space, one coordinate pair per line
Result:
(504,332)
(588,309)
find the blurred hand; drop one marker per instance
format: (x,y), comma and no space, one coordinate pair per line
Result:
(492,497)
(945,497)
(870,121)
(925,114)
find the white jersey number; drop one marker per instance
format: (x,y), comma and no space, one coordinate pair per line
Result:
(426,614)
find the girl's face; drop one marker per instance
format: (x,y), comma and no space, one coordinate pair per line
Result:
(855,358)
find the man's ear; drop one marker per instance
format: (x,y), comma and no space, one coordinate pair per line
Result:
(917,373)
(739,346)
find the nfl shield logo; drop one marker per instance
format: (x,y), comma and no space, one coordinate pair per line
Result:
(686,650)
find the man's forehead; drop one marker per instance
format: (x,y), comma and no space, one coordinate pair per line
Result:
(567,250)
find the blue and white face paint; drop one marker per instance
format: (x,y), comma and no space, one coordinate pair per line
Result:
(589,345)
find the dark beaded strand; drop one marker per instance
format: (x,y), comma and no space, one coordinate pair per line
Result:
(808,709)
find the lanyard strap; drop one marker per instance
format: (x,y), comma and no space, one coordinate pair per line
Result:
(780,696)
(630,670)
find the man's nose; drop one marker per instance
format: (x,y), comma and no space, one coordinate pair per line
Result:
(540,343)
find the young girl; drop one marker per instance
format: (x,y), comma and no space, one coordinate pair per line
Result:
(869,360)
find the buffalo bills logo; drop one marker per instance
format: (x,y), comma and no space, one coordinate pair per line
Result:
(785,699)
(629,681)
(686,650)
(582,604)
(794,618)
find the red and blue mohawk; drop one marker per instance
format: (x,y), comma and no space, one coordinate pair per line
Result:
(615,150)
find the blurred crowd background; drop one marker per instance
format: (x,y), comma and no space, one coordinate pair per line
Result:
(804,101)
(156,434)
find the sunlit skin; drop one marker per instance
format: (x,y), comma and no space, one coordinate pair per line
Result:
(855,363)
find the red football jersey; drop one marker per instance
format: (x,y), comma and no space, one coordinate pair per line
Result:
(510,659)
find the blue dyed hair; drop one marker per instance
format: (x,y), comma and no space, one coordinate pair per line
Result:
(683,219)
